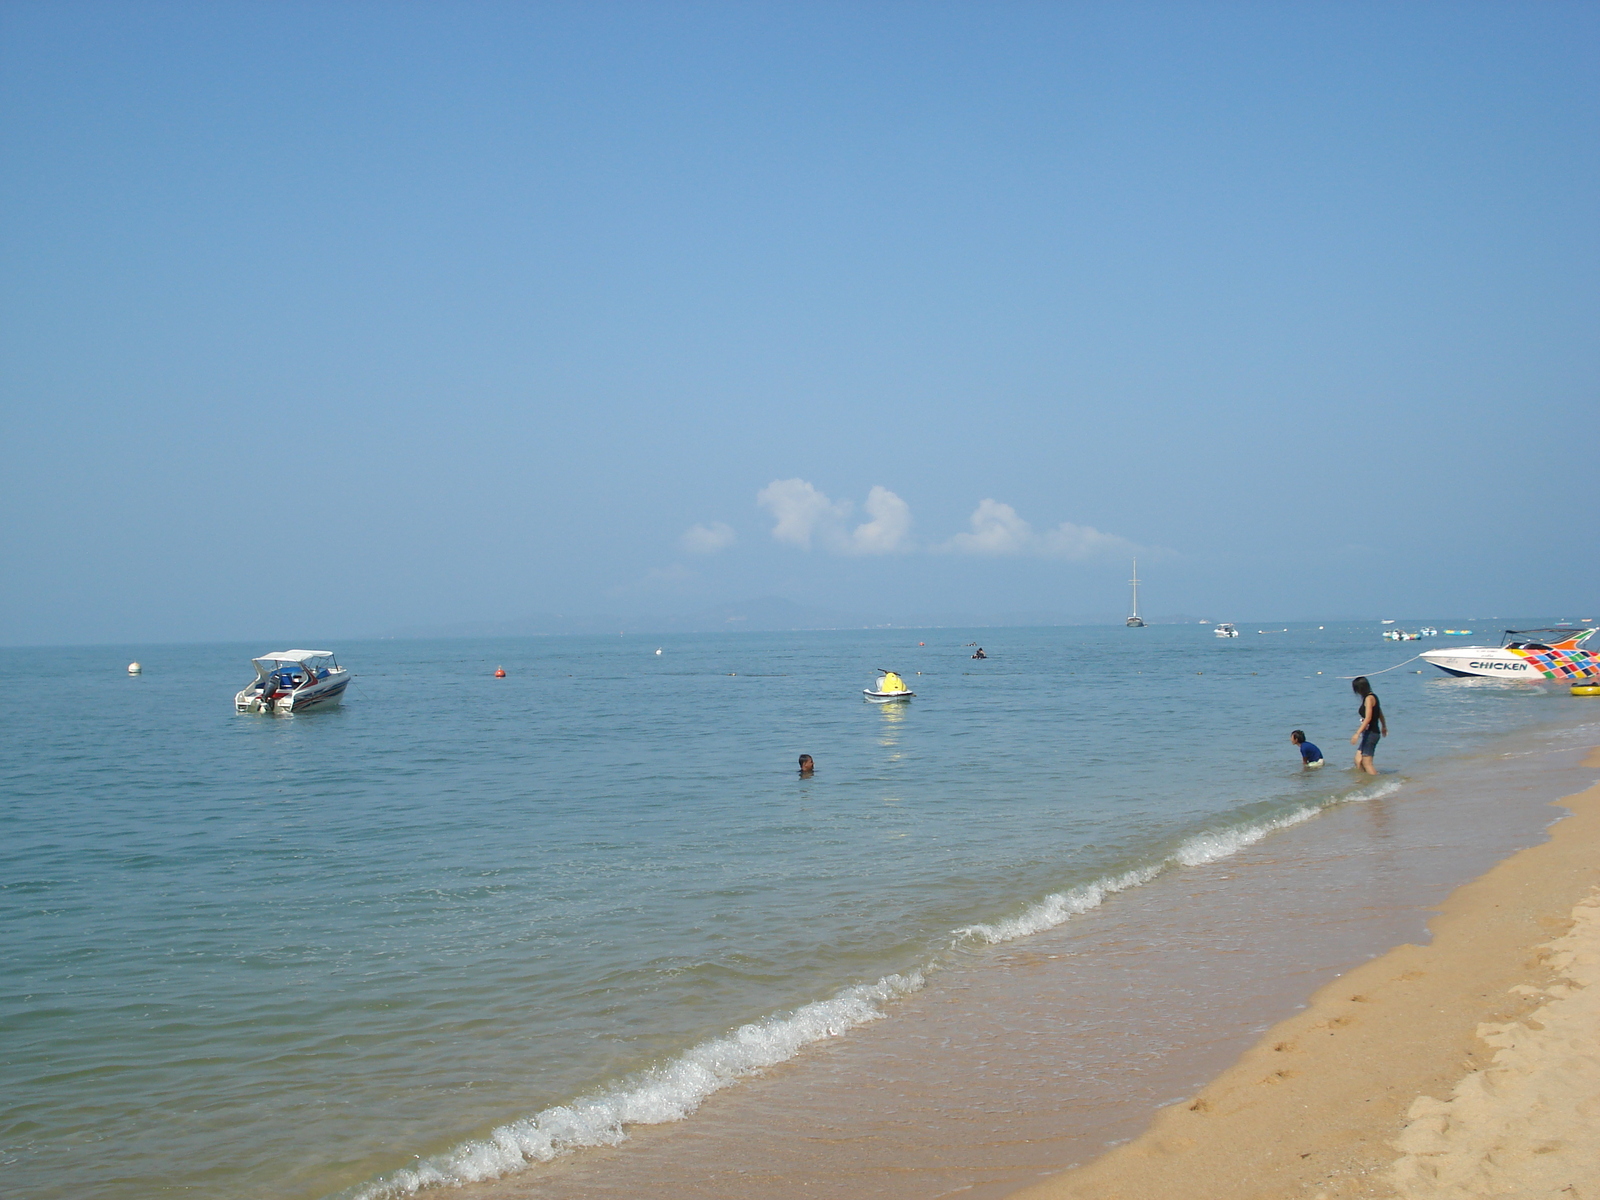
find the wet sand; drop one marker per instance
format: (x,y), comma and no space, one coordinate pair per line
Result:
(1467,1067)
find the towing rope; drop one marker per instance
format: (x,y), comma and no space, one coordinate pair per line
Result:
(1386,670)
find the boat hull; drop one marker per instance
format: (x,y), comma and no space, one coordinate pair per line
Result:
(1496,662)
(886,697)
(319,696)
(325,693)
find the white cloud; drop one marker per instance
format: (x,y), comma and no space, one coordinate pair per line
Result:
(798,508)
(997,529)
(708,539)
(886,532)
(804,515)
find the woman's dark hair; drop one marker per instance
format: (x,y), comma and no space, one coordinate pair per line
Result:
(1360,686)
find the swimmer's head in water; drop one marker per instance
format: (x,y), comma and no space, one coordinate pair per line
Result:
(1297,736)
(806,765)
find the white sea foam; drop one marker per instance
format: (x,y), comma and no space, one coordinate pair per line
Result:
(1387,788)
(1220,843)
(1208,847)
(666,1093)
(1058,907)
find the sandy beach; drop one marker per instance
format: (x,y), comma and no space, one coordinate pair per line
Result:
(1467,1067)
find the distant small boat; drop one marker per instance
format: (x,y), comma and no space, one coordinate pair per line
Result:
(1224,629)
(1427,631)
(1135,621)
(890,687)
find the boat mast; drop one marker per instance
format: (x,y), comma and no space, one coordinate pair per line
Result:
(1135,621)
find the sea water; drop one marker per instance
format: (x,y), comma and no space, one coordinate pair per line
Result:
(462,926)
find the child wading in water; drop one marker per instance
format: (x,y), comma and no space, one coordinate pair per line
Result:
(1374,725)
(1310,756)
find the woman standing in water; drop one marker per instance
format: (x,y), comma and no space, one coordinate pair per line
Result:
(1373,725)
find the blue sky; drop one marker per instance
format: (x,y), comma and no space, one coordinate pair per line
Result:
(343,317)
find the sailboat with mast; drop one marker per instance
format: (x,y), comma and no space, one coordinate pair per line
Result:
(1135,621)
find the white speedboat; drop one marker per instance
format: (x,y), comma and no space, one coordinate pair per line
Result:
(291,681)
(890,687)
(1224,629)
(1523,654)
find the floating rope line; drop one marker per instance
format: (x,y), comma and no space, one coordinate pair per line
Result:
(1386,670)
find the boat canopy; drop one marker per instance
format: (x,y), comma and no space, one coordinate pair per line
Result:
(1561,637)
(312,660)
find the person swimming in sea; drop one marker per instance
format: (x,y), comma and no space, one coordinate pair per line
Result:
(980,653)
(807,766)
(1310,756)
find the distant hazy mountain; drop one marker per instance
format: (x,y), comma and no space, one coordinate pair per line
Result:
(767,613)
(539,625)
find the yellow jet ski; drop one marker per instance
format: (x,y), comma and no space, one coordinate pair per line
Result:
(890,687)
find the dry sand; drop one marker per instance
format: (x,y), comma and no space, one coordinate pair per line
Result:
(1469,1067)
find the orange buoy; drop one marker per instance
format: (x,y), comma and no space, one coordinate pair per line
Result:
(499,672)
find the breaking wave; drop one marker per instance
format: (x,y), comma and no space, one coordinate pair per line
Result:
(1060,907)
(669,1092)
(1209,847)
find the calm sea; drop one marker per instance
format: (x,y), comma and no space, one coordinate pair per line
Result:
(461,925)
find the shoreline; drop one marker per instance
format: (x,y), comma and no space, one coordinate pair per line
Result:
(1380,1086)
(1027,1058)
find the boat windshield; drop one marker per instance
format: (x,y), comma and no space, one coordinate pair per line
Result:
(316,662)
(1563,637)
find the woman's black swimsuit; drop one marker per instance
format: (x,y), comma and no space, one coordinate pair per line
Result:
(1370,736)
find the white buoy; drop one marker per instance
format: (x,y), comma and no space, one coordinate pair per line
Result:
(134,669)
(658,649)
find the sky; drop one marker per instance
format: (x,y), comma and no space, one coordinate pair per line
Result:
(334,318)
